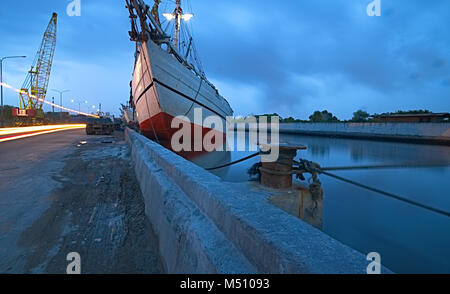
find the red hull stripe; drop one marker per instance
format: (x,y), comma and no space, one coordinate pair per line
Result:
(160,125)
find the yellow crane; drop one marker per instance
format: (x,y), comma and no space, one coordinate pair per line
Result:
(34,88)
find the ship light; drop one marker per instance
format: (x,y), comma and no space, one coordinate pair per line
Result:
(187,16)
(169,16)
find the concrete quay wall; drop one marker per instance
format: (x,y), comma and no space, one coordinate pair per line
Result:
(206,225)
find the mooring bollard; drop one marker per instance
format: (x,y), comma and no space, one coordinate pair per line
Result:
(305,203)
(278,174)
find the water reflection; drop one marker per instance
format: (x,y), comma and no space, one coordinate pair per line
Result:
(319,150)
(300,203)
(214,159)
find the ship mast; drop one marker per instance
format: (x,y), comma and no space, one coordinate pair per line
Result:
(138,9)
(178,14)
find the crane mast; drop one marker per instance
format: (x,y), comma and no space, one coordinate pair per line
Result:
(35,86)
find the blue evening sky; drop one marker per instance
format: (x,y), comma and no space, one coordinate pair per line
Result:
(291,57)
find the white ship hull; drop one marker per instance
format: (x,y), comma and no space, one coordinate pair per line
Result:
(163,88)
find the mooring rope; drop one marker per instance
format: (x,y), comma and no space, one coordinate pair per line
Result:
(386,166)
(314,169)
(387,194)
(234,162)
(308,166)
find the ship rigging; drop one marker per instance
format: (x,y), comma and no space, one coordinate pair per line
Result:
(176,37)
(168,79)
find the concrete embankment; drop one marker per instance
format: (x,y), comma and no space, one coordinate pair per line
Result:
(206,225)
(433,133)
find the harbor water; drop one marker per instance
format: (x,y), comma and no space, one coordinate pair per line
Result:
(409,239)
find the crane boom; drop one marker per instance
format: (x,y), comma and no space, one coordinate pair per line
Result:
(36,82)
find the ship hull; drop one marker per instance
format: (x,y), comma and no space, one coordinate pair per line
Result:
(163,89)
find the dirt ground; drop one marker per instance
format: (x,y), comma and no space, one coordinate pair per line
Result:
(98,212)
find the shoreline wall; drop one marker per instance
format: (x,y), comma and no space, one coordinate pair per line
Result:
(433,133)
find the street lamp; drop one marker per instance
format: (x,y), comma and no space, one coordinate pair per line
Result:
(60,96)
(1,81)
(79,103)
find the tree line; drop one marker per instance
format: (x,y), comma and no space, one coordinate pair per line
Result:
(358,116)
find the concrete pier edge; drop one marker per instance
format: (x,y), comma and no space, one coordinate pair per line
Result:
(206,225)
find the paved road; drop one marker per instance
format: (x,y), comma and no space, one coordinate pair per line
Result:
(58,196)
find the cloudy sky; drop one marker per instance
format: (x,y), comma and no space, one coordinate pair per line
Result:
(291,57)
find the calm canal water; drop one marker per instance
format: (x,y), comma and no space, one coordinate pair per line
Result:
(409,239)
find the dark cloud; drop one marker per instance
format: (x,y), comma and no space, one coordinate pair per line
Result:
(405,48)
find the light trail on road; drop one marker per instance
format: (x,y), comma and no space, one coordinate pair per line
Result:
(47,102)
(19,130)
(26,132)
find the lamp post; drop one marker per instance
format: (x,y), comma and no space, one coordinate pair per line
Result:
(1,83)
(60,100)
(79,103)
(60,96)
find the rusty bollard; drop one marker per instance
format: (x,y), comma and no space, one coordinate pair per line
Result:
(278,174)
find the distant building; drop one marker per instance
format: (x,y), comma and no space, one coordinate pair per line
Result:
(57,114)
(414,118)
(79,119)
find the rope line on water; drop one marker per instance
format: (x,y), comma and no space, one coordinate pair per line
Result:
(386,193)
(314,168)
(308,166)
(235,162)
(386,166)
